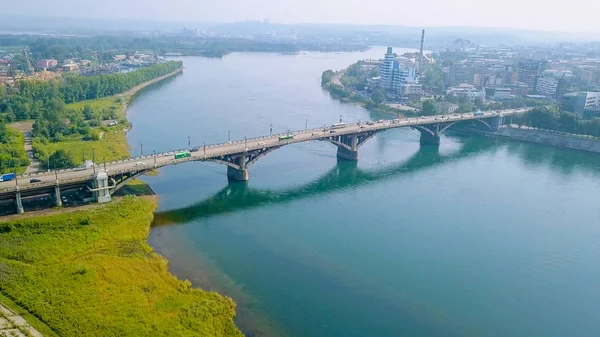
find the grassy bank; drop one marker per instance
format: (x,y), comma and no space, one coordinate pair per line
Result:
(91,273)
(13,157)
(107,142)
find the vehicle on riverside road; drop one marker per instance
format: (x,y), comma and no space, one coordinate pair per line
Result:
(286,137)
(7,177)
(182,154)
(34,180)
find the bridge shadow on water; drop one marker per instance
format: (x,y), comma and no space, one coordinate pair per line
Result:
(346,174)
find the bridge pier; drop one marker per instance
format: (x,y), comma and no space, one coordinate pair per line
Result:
(57,199)
(429,139)
(346,154)
(351,151)
(19,203)
(239,173)
(101,187)
(496,123)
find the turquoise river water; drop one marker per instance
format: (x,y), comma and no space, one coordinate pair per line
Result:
(479,237)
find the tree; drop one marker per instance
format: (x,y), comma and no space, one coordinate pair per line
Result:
(378,95)
(88,112)
(61,159)
(569,122)
(326,76)
(429,108)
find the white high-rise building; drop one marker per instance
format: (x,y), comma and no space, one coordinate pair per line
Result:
(386,70)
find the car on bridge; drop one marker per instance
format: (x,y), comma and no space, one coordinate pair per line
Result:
(35,180)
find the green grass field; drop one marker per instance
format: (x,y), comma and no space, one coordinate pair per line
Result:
(112,146)
(100,104)
(91,273)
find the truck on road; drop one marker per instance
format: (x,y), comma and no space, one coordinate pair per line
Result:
(7,176)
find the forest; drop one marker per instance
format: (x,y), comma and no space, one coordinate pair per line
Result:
(46,103)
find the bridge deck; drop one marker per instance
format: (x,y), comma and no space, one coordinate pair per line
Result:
(216,151)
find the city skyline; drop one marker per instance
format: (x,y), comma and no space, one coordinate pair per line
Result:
(524,14)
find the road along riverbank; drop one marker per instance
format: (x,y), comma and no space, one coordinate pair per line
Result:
(561,140)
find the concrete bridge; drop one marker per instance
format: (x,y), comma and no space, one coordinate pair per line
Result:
(238,156)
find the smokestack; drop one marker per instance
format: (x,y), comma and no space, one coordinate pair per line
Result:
(421,52)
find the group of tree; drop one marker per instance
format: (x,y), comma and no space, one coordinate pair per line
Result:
(46,103)
(12,152)
(550,118)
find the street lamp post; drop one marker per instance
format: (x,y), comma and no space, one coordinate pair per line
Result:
(104,163)
(245,144)
(229,136)
(141,149)
(306,124)
(204,147)
(340,118)
(154,155)
(189,143)
(94,160)
(270,129)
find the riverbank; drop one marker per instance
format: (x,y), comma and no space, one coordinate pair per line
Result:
(560,140)
(112,142)
(92,270)
(336,89)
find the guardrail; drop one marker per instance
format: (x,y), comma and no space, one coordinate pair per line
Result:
(374,126)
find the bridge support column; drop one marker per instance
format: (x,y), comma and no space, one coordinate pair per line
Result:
(102,193)
(496,123)
(19,203)
(345,154)
(240,173)
(348,153)
(58,200)
(429,139)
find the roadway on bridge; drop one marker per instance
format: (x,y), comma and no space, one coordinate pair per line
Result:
(240,146)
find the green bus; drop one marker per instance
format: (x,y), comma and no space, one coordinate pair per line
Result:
(286,137)
(182,154)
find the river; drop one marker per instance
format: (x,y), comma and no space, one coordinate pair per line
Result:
(478,237)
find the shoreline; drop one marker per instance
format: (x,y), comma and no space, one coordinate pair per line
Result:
(555,140)
(128,95)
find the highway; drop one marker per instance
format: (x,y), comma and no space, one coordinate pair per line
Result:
(216,151)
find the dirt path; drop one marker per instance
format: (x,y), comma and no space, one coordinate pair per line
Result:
(25,127)
(12,324)
(336,78)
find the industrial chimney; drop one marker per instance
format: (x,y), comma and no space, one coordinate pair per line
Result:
(421,51)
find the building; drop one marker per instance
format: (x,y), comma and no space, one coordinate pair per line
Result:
(467,91)
(374,82)
(580,102)
(410,90)
(403,73)
(386,70)
(528,72)
(47,63)
(502,93)
(70,67)
(546,86)
(446,107)
(590,75)
(118,58)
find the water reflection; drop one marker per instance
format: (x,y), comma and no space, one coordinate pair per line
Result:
(239,196)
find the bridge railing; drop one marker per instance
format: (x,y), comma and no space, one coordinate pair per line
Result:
(389,124)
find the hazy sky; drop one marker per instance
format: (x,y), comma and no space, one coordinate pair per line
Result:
(554,15)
